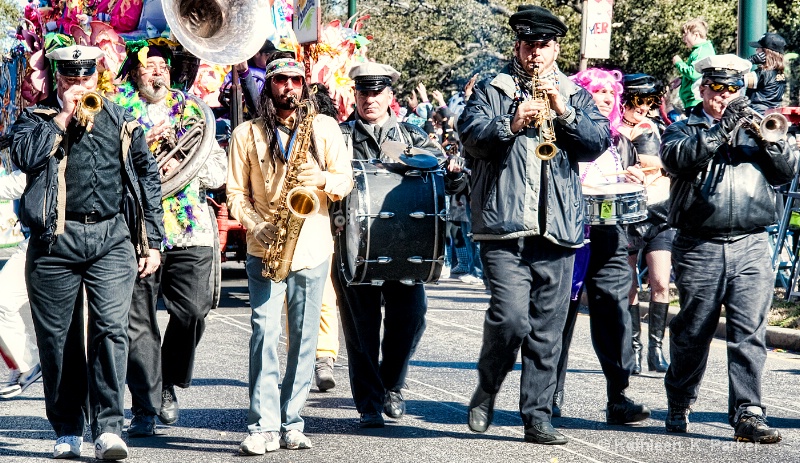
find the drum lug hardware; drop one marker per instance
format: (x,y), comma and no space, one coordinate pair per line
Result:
(376,282)
(419,260)
(408,282)
(421,215)
(380,260)
(380,215)
(412,173)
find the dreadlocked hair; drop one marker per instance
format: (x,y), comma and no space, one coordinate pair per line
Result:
(268,117)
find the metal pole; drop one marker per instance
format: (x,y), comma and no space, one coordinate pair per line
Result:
(752,25)
(584,63)
(351,8)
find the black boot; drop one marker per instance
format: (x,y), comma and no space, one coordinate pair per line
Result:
(657,319)
(558,402)
(636,339)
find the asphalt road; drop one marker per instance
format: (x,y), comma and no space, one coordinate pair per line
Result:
(441,380)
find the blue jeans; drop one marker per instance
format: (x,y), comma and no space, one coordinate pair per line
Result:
(708,274)
(272,409)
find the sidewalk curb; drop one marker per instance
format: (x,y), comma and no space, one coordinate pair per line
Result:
(777,337)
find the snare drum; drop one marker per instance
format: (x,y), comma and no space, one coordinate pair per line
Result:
(394,225)
(615,203)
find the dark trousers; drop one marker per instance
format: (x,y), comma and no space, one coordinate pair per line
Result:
(709,274)
(183,277)
(608,280)
(529,284)
(100,257)
(378,366)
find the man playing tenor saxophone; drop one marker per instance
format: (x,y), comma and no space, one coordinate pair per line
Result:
(262,151)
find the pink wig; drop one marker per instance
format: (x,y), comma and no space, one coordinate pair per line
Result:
(594,79)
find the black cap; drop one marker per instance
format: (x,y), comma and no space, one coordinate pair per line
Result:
(770,41)
(642,84)
(536,24)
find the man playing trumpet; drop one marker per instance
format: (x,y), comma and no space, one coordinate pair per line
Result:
(722,200)
(75,206)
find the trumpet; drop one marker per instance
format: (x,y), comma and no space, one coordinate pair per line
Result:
(89,105)
(546,149)
(769,128)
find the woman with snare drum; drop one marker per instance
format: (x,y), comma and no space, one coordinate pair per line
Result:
(652,237)
(606,270)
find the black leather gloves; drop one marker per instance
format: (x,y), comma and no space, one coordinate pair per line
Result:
(735,110)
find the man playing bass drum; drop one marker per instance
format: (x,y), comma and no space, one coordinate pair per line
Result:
(377,385)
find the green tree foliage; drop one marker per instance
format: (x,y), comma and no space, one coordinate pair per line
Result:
(10,15)
(443,42)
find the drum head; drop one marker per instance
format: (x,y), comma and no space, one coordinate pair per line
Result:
(393,229)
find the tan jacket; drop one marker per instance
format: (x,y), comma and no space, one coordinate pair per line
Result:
(254,186)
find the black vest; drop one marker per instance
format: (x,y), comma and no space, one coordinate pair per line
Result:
(93,174)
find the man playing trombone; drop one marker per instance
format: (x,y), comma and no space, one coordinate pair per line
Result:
(722,194)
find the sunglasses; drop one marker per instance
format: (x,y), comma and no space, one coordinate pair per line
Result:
(719,88)
(281,79)
(648,100)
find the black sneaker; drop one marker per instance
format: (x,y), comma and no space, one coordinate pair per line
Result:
(753,428)
(371,420)
(626,411)
(169,406)
(481,410)
(142,426)
(544,433)
(394,405)
(677,418)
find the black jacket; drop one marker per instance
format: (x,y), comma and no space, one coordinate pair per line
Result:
(769,90)
(366,147)
(507,182)
(721,189)
(37,150)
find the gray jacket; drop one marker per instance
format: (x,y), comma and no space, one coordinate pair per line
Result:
(514,193)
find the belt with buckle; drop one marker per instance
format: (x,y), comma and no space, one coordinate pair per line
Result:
(92,217)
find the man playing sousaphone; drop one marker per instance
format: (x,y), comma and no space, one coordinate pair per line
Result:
(154,369)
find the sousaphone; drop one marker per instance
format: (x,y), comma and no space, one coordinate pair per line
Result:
(219,31)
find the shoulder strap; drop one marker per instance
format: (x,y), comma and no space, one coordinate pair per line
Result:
(126,137)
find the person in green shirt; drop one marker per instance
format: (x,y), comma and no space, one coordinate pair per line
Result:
(695,33)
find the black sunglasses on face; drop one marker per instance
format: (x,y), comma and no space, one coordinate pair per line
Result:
(719,88)
(281,79)
(649,100)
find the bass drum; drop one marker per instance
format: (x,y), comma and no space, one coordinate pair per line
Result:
(394,226)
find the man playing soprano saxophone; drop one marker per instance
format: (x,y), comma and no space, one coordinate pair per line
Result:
(259,157)
(528,216)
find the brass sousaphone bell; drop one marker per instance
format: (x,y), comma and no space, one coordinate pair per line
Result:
(219,31)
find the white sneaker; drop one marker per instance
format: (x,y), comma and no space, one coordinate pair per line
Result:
(470,279)
(259,443)
(68,447)
(12,387)
(110,446)
(294,440)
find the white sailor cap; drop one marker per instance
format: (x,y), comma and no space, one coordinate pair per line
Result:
(373,76)
(75,60)
(724,67)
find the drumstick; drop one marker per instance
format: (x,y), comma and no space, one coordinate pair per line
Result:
(623,172)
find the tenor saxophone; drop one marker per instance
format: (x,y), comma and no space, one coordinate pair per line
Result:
(546,149)
(295,205)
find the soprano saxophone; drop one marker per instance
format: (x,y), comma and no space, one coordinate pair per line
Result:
(295,204)
(546,149)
